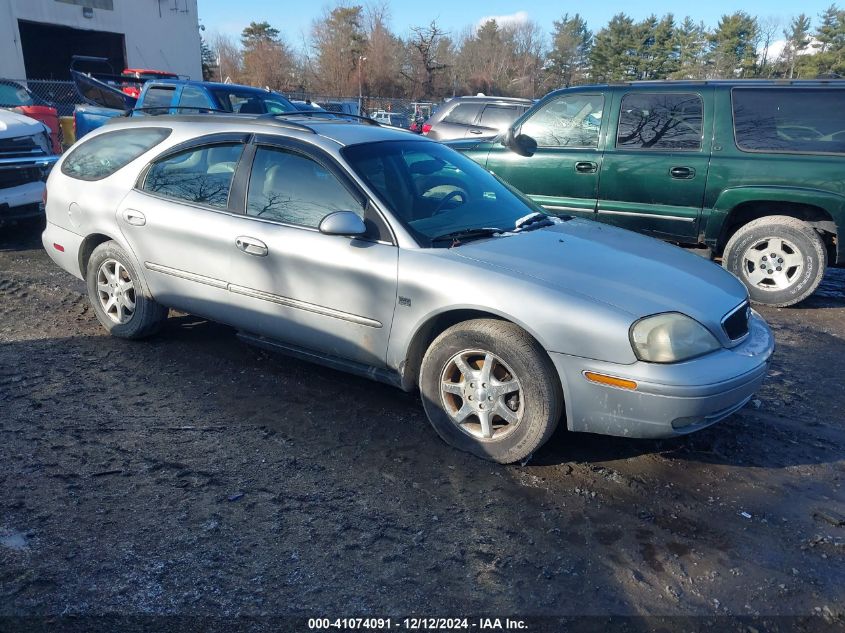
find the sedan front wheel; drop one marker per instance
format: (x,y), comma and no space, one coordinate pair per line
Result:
(489,388)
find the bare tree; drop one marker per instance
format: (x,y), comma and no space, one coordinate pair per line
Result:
(425,46)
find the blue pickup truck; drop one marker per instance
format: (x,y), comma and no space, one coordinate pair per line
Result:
(169,96)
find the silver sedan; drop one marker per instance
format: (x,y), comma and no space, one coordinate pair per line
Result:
(394,257)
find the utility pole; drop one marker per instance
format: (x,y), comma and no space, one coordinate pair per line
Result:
(361,60)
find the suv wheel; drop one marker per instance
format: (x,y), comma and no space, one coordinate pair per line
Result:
(780,259)
(115,293)
(488,388)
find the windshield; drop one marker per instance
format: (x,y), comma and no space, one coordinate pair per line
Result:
(14,95)
(252,101)
(434,190)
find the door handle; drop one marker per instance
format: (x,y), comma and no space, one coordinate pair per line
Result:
(476,132)
(682,173)
(133,217)
(586,167)
(251,246)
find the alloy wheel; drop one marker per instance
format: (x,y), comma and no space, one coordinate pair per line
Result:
(116,291)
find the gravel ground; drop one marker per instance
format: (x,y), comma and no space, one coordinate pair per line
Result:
(193,475)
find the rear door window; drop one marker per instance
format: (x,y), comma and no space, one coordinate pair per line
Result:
(810,120)
(157,100)
(100,156)
(497,116)
(463,113)
(671,121)
(193,97)
(200,175)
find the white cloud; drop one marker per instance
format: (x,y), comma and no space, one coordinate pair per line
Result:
(511,19)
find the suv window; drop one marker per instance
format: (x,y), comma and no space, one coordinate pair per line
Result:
(193,97)
(291,188)
(498,116)
(200,175)
(569,121)
(463,113)
(102,155)
(789,119)
(660,121)
(158,98)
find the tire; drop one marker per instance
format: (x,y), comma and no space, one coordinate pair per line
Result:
(114,283)
(521,378)
(799,252)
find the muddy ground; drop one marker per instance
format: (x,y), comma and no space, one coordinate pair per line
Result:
(192,474)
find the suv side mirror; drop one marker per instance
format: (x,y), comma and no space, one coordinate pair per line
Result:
(521,144)
(343,223)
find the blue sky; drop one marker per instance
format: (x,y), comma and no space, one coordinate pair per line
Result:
(294,18)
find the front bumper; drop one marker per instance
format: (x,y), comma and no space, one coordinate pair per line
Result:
(24,200)
(670,399)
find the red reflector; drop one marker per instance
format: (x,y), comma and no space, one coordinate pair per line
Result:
(426,128)
(59,247)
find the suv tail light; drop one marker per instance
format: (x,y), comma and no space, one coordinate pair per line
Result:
(426,128)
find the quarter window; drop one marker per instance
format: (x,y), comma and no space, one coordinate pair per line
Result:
(100,156)
(463,114)
(790,119)
(570,121)
(660,121)
(291,188)
(200,175)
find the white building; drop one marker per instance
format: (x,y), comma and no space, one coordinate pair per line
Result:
(38,37)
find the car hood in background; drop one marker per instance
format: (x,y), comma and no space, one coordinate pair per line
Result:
(13,125)
(637,274)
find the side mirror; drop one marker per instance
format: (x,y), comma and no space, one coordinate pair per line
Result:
(343,223)
(523,145)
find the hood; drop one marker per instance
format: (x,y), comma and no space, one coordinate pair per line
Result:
(637,274)
(13,125)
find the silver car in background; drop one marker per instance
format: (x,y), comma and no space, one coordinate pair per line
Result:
(391,256)
(474,117)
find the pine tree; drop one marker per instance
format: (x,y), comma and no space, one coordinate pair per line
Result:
(691,44)
(797,41)
(732,46)
(568,60)
(613,56)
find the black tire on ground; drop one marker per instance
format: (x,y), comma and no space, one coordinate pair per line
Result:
(540,398)
(147,317)
(796,236)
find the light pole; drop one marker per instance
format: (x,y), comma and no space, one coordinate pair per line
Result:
(361,60)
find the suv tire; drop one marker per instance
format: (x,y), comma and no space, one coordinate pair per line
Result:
(780,259)
(116,294)
(493,370)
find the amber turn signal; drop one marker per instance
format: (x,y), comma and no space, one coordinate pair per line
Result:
(610,380)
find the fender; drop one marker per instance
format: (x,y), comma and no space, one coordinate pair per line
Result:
(729,199)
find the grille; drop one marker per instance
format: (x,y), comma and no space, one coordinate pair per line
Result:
(735,324)
(18,147)
(15,177)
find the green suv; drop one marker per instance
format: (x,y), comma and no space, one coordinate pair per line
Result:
(754,171)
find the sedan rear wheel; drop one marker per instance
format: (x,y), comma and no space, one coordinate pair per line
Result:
(117,296)
(490,389)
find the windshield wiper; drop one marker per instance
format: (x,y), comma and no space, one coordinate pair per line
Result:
(458,237)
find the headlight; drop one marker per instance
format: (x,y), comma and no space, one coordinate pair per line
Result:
(671,337)
(43,141)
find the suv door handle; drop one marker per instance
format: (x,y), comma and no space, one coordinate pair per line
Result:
(251,246)
(133,217)
(476,131)
(586,167)
(683,173)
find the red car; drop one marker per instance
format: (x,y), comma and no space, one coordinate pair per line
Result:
(142,75)
(17,97)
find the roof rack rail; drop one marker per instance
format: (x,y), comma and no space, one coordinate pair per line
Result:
(197,108)
(327,114)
